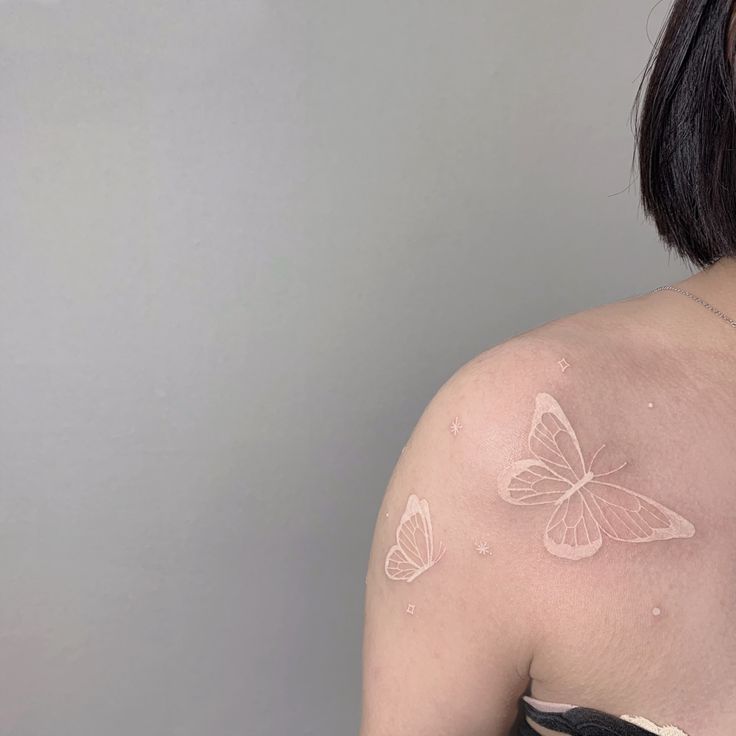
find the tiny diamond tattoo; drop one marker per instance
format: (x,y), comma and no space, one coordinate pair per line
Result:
(564,365)
(410,609)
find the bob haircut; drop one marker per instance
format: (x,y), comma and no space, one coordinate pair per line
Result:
(685,132)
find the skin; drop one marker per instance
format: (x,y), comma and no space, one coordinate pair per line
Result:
(653,379)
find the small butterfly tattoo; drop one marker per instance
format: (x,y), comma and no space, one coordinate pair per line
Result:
(413,552)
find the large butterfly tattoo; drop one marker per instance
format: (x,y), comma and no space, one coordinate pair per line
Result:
(586,504)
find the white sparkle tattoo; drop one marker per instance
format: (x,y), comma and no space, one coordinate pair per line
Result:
(410,609)
(455,427)
(482,548)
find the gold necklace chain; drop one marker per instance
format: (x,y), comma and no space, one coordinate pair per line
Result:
(700,301)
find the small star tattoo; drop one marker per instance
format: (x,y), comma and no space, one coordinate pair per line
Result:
(455,427)
(564,365)
(410,609)
(482,548)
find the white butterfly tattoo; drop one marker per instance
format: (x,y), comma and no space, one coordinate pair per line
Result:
(413,552)
(584,505)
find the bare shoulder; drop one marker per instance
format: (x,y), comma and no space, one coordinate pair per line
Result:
(592,419)
(447,648)
(454,586)
(542,476)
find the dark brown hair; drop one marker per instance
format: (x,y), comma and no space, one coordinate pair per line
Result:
(685,132)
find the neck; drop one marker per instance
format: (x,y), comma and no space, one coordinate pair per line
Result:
(688,323)
(716,284)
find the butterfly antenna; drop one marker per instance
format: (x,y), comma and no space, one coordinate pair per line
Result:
(610,472)
(592,460)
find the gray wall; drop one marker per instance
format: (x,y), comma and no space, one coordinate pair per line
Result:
(243,243)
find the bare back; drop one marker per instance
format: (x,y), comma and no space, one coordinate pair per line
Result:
(647,628)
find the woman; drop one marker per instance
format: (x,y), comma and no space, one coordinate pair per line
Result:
(556,550)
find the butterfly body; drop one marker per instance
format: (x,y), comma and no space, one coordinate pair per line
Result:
(584,506)
(575,488)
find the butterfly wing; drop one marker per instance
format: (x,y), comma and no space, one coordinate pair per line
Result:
(413,552)
(572,531)
(558,464)
(630,517)
(530,482)
(553,441)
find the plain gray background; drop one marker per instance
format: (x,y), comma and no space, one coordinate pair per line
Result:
(243,244)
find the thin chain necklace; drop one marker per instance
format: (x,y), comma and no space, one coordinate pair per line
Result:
(700,301)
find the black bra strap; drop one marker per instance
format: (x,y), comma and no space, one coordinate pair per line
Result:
(582,722)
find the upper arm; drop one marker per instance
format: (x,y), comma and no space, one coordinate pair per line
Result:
(449,651)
